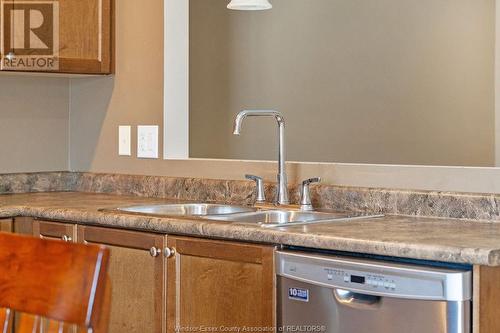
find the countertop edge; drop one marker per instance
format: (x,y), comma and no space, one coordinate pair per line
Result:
(228,231)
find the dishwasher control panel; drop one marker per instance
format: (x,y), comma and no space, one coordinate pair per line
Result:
(374,281)
(376,277)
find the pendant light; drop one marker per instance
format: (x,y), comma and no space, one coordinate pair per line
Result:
(249,5)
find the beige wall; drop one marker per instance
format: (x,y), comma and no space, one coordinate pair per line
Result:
(134,96)
(361,81)
(497,84)
(33,123)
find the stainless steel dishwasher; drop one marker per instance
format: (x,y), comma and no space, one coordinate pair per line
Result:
(335,294)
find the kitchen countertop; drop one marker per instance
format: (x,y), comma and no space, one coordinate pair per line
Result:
(447,240)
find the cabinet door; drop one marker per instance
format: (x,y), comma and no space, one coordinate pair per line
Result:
(65,232)
(137,272)
(219,284)
(19,225)
(6,225)
(85,36)
(54,230)
(23,225)
(81,32)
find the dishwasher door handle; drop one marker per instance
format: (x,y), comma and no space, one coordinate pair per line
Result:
(356,300)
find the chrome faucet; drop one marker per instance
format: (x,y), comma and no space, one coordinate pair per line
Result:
(282,178)
(305,194)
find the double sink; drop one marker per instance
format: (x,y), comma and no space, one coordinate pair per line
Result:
(242,214)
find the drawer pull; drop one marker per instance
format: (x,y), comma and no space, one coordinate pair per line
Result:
(154,252)
(66,238)
(169,252)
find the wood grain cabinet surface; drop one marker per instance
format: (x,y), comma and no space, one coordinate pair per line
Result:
(64,232)
(86,36)
(19,225)
(137,273)
(170,284)
(6,225)
(84,30)
(219,284)
(54,230)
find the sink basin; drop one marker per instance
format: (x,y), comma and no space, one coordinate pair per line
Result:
(277,217)
(286,218)
(190,209)
(242,214)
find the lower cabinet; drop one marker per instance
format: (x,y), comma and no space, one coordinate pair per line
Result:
(218,285)
(137,272)
(55,230)
(65,232)
(6,225)
(19,225)
(179,284)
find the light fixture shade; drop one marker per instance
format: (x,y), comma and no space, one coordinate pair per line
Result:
(249,5)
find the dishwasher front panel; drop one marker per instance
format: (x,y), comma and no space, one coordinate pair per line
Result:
(336,294)
(331,310)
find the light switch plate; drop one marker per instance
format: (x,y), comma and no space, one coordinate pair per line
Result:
(124,141)
(147,141)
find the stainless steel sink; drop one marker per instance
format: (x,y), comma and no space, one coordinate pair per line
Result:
(189,209)
(242,214)
(284,218)
(274,216)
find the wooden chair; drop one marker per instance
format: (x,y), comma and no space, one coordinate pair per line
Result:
(62,282)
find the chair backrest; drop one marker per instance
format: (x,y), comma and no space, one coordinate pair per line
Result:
(55,280)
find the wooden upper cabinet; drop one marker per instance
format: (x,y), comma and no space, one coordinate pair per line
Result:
(75,35)
(219,284)
(85,36)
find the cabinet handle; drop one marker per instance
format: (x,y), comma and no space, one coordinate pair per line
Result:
(66,238)
(169,252)
(154,252)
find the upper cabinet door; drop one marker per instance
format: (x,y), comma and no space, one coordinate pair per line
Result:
(85,36)
(61,36)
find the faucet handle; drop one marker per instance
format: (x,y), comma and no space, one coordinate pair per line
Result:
(311,181)
(261,196)
(305,194)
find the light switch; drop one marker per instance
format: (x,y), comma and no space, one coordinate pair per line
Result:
(124,142)
(147,141)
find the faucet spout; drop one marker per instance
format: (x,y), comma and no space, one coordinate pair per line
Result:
(282,197)
(238,121)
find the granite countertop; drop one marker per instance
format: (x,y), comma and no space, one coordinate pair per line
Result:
(448,240)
